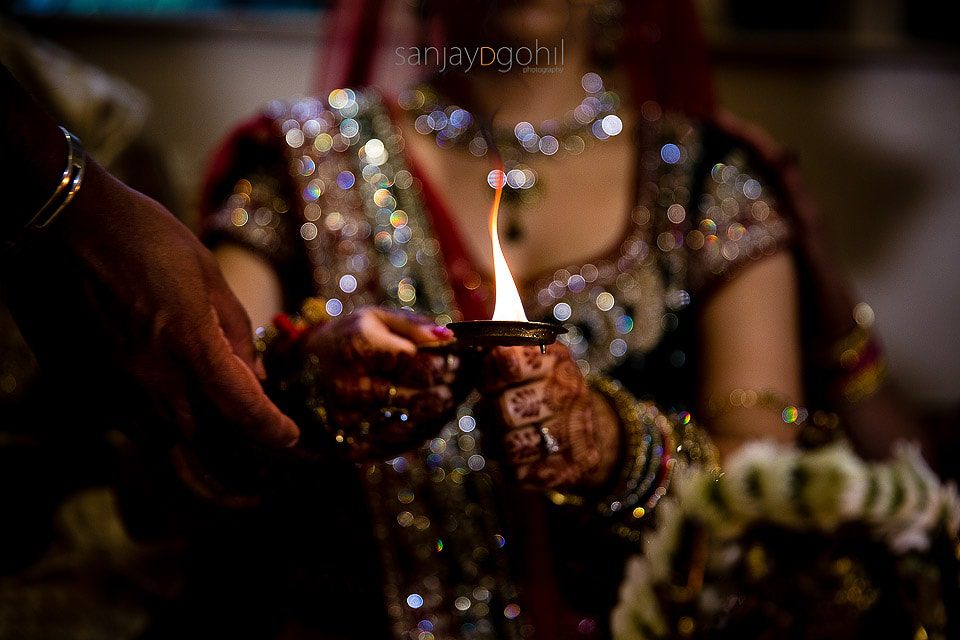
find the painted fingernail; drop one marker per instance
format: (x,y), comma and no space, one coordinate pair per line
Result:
(442,332)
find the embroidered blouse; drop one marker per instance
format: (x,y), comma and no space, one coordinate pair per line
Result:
(327,195)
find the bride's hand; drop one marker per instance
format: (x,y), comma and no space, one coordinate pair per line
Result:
(384,395)
(556,432)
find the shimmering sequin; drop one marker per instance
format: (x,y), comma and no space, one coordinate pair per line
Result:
(605,301)
(308,231)
(348,283)
(496,179)
(863,315)
(346,180)
(611,125)
(334,307)
(295,138)
(414,600)
(670,153)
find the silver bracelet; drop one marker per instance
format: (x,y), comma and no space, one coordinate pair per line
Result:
(67,188)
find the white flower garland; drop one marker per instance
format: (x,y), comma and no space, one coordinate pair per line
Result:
(901,501)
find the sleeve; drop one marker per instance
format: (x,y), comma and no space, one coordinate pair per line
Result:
(247,199)
(738,215)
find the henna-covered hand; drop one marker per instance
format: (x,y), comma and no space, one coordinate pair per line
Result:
(379,390)
(556,432)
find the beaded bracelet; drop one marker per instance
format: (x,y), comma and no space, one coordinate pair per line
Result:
(789,412)
(816,428)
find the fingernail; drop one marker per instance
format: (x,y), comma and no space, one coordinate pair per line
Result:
(442,332)
(293,443)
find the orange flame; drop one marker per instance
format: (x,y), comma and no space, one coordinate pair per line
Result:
(508,305)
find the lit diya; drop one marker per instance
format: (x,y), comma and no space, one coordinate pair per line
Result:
(509,326)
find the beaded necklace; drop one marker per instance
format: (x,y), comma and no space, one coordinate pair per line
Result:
(594,118)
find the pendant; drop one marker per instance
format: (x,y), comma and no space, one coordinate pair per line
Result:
(514,232)
(512,212)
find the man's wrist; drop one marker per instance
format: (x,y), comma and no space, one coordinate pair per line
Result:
(73,165)
(33,155)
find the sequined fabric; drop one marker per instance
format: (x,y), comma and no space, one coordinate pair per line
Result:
(356,214)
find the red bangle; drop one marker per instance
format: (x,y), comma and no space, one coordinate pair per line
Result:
(289,329)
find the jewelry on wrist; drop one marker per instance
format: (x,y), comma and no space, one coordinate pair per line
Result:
(287,329)
(638,438)
(815,428)
(277,344)
(790,413)
(64,193)
(863,382)
(654,443)
(857,359)
(646,455)
(66,189)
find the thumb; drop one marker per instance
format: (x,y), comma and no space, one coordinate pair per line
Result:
(232,388)
(233,319)
(416,328)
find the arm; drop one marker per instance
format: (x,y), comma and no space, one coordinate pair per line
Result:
(118,296)
(750,336)
(750,341)
(33,155)
(253,280)
(875,423)
(356,381)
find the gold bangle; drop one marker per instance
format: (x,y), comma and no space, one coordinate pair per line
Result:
(865,382)
(655,445)
(847,352)
(635,425)
(644,445)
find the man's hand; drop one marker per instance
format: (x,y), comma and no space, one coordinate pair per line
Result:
(121,299)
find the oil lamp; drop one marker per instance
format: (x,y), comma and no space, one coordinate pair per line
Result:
(509,326)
